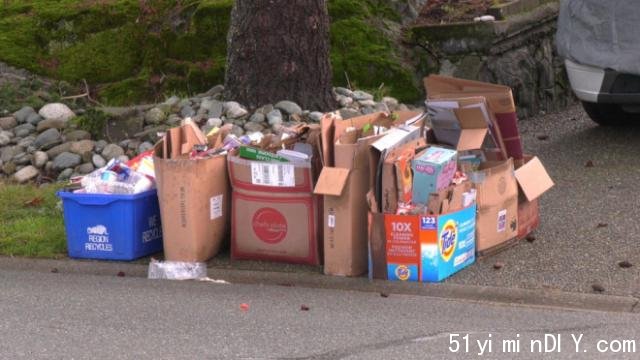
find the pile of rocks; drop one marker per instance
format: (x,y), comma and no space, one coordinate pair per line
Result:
(45,144)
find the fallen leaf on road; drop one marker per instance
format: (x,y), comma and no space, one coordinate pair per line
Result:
(589,164)
(625,264)
(121,274)
(542,137)
(54,270)
(602,225)
(597,288)
(384,295)
(304,308)
(36,201)
(498,265)
(244,307)
(530,238)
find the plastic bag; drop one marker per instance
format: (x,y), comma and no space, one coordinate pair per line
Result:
(177,270)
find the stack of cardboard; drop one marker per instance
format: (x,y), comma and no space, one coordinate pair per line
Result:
(499,221)
(344,182)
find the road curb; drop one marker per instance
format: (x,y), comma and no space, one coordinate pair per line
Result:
(497,295)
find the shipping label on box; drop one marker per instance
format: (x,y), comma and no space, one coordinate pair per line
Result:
(432,172)
(429,248)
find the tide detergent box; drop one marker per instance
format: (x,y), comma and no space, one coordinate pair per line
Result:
(433,171)
(429,248)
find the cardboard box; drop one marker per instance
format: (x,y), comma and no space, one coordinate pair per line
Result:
(533,181)
(344,185)
(274,213)
(497,199)
(194,212)
(433,171)
(429,248)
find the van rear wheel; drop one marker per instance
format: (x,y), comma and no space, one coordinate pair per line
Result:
(607,114)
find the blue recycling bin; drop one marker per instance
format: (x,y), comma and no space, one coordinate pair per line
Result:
(112,227)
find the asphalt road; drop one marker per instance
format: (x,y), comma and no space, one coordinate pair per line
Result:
(590,220)
(54,316)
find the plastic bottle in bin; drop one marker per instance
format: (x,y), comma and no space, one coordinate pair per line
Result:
(116,178)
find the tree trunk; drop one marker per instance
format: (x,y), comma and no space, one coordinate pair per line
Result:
(279,50)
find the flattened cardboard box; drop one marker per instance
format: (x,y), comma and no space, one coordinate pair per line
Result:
(533,181)
(497,197)
(276,220)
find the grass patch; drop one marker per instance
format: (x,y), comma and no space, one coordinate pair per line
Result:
(35,230)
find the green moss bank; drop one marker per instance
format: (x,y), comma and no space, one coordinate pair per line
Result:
(136,51)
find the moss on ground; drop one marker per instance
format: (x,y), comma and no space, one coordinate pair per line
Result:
(135,53)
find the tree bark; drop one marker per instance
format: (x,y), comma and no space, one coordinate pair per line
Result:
(279,50)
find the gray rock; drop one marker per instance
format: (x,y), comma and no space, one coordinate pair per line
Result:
(289,107)
(369,103)
(315,116)
(84,169)
(51,124)
(24,130)
(7,153)
(145,146)
(124,143)
(9,168)
(361,95)
(40,158)
(209,106)
(48,166)
(77,135)
(172,101)
(349,113)
(402,107)
(253,127)
(22,159)
(257,118)
(265,109)
(8,122)
(237,130)
(174,120)
(184,102)
(155,116)
(133,144)
(59,149)
(82,146)
(23,114)
(66,160)
(25,174)
(112,151)
(56,111)
(187,111)
(274,117)
(100,145)
(216,90)
(65,175)
(214,122)
(234,110)
(47,139)
(5,139)
(98,161)
(26,143)
(123,158)
(391,103)
(34,119)
(367,110)
(345,101)
(343,91)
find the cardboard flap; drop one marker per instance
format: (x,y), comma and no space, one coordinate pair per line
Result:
(471,118)
(471,139)
(533,179)
(332,181)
